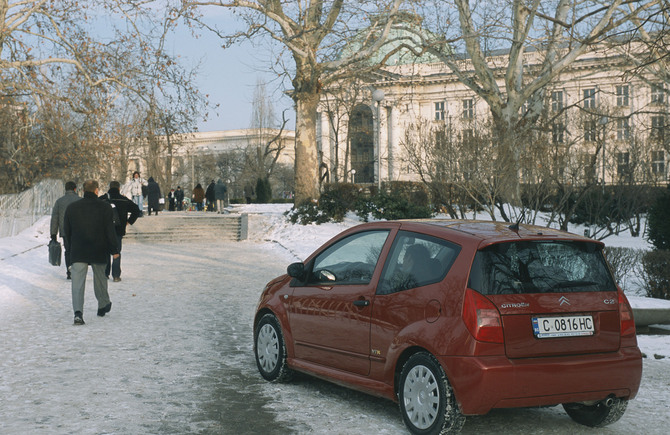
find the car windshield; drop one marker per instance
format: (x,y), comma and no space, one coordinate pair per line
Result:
(540,267)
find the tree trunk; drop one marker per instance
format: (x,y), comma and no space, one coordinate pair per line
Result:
(306,164)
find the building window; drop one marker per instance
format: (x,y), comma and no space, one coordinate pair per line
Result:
(587,162)
(439,111)
(557,132)
(658,128)
(590,131)
(658,164)
(622,129)
(590,98)
(556,101)
(657,93)
(622,93)
(623,164)
(468,109)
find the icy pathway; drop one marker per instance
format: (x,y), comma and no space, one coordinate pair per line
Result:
(174,356)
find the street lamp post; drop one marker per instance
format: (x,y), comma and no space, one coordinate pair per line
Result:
(378,96)
(353,176)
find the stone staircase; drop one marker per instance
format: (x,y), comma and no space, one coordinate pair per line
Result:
(184,227)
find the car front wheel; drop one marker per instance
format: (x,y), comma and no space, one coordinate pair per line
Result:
(427,401)
(270,350)
(598,415)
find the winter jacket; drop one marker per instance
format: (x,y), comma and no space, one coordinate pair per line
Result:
(128,210)
(209,194)
(198,194)
(179,195)
(154,193)
(58,212)
(220,190)
(136,186)
(89,230)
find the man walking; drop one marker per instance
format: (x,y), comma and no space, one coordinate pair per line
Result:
(179,197)
(58,215)
(91,239)
(128,213)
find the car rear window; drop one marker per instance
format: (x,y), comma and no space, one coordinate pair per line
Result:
(540,267)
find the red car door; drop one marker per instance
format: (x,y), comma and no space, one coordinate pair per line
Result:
(329,314)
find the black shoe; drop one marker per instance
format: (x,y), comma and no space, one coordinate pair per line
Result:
(104,310)
(78,318)
(69,275)
(117,279)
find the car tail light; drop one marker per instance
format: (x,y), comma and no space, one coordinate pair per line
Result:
(482,318)
(626,316)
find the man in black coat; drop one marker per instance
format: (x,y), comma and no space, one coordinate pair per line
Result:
(179,197)
(210,195)
(91,239)
(128,213)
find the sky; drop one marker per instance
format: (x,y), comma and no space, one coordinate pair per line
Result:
(175,354)
(229,76)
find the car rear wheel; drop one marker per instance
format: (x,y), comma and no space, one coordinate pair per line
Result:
(598,415)
(270,350)
(427,401)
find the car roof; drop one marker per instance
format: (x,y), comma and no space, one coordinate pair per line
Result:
(487,233)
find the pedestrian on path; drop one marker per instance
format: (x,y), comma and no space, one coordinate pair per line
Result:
(128,213)
(210,195)
(220,192)
(179,197)
(154,196)
(58,216)
(136,190)
(91,239)
(198,196)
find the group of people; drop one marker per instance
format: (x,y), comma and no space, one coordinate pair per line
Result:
(212,199)
(92,228)
(138,188)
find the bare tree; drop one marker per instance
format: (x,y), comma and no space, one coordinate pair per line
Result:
(540,39)
(49,59)
(312,33)
(266,143)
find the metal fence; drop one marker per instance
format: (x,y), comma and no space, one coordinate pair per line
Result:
(19,211)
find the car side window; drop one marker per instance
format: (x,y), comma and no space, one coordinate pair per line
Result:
(351,260)
(416,260)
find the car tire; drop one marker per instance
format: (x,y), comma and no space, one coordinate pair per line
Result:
(597,415)
(270,350)
(427,401)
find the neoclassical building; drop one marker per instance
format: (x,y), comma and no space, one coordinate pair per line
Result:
(605,113)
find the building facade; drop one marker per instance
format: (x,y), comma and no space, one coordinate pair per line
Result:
(610,122)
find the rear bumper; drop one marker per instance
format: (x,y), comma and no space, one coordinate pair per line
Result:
(484,383)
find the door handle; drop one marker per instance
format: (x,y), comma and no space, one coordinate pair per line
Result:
(362,303)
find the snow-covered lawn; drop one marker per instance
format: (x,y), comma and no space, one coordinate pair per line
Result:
(175,353)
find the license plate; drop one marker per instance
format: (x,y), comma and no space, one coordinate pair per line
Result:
(568,326)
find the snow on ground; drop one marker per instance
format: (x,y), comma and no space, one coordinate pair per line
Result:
(175,353)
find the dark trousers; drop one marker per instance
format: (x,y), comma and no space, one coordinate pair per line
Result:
(116,263)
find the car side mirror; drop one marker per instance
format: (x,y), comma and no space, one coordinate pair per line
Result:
(296,270)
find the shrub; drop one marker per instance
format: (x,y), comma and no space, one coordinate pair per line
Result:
(391,207)
(263,190)
(307,213)
(624,262)
(656,273)
(658,221)
(338,199)
(398,200)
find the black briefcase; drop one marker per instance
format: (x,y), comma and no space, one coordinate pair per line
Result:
(54,253)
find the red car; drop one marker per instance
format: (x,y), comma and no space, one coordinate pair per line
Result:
(455,318)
